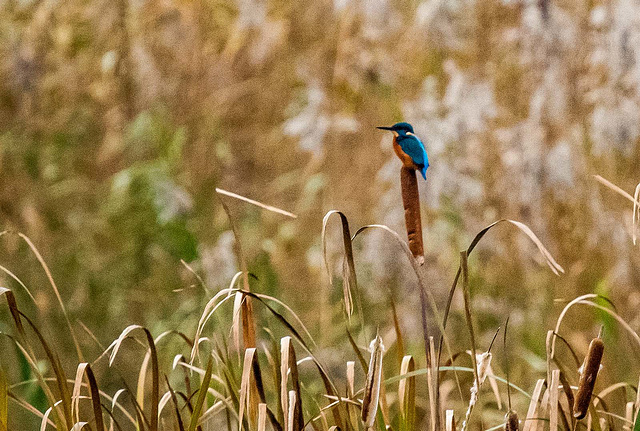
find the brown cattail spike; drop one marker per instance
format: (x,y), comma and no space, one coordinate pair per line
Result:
(411,202)
(511,422)
(372,387)
(590,369)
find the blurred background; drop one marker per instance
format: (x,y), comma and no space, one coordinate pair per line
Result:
(118,119)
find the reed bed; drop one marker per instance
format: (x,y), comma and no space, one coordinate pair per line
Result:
(284,383)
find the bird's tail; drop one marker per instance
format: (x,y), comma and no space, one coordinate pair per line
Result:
(423,171)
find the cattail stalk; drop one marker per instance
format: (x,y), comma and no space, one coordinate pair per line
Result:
(590,369)
(411,202)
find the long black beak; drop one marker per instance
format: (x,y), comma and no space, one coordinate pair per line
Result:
(384,128)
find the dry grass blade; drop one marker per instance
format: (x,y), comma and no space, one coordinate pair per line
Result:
(263,297)
(450,421)
(352,419)
(530,419)
(411,202)
(330,387)
(114,401)
(12,275)
(95,399)
(424,295)
(383,404)
(245,385)
(372,387)
(553,400)
(636,213)
(202,396)
(28,407)
(256,203)
(351,378)
(262,417)
(142,378)
(628,416)
(289,372)
(248,326)
(235,323)
(432,385)
(174,401)
(635,199)
(407,395)
(291,413)
(634,335)
(75,396)
(15,312)
(56,291)
(350,280)
(590,370)
(155,372)
(209,309)
(615,188)
(467,312)
(260,391)
(58,370)
(555,267)
(53,404)
(285,359)
(164,400)
(398,330)
(424,292)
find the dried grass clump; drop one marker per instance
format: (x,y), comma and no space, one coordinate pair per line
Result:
(220,385)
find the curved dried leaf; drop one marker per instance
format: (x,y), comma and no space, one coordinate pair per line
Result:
(155,372)
(44,266)
(349,271)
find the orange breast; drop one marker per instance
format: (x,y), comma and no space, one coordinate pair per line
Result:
(404,157)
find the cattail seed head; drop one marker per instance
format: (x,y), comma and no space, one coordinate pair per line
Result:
(590,369)
(372,387)
(511,421)
(411,202)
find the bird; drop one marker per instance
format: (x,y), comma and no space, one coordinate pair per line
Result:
(408,147)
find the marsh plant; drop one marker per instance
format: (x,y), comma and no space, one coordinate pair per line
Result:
(256,366)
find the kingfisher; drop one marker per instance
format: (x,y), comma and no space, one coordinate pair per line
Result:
(409,147)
